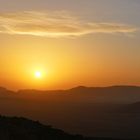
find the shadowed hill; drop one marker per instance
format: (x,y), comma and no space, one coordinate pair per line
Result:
(114,94)
(13,128)
(122,94)
(4,93)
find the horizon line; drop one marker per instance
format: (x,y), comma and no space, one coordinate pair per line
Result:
(74,87)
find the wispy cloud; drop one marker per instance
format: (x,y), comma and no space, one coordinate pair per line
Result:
(55,24)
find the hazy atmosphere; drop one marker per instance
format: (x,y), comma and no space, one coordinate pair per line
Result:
(69,69)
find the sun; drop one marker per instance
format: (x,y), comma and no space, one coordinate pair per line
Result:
(38,74)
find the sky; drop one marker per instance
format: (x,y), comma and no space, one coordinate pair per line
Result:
(70,42)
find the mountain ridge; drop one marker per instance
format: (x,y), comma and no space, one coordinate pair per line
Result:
(73,88)
(92,94)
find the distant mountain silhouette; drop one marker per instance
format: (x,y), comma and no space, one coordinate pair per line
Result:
(113,89)
(112,94)
(13,128)
(128,94)
(80,88)
(5,93)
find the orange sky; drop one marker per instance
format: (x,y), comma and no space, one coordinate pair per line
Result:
(66,63)
(69,47)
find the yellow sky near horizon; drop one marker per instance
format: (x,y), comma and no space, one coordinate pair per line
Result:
(65,63)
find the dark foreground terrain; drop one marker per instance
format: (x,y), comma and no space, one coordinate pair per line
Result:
(13,128)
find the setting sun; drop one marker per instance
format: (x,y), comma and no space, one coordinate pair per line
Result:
(38,74)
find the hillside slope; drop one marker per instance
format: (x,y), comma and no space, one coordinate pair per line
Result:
(13,128)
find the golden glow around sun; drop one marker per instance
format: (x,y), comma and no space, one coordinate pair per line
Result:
(38,74)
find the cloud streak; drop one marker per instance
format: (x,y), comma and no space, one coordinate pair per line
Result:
(55,24)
